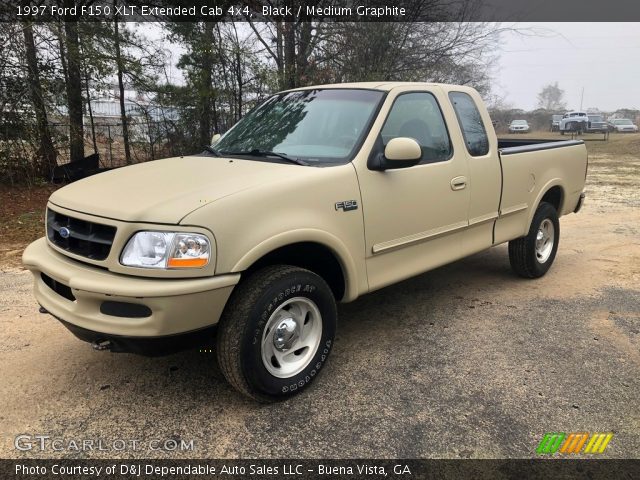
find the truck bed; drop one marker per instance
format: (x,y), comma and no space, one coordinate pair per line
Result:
(531,168)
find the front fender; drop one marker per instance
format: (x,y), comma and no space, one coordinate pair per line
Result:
(307,235)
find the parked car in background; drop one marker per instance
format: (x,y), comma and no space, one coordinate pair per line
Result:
(596,124)
(518,126)
(622,125)
(574,122)
(555,122)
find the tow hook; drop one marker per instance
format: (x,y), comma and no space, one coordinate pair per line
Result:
(101,345)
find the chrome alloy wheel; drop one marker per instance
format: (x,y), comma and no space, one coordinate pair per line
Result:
(544,240)
(291,337)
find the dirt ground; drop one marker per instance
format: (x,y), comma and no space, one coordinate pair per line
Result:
(22,213)
(467,361)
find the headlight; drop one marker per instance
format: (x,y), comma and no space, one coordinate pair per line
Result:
(166,250)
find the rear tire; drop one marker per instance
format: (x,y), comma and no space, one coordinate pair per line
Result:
(276,332)
(532,256)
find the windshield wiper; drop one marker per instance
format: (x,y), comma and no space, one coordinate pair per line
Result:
(256,152)
(268,153)
(211,150)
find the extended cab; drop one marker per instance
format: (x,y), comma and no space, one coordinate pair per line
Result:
(317,196)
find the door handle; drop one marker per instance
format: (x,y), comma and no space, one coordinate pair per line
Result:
(458,183)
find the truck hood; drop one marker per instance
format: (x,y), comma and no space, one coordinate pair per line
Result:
(165,191)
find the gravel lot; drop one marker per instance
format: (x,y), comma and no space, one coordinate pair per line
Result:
(467,361)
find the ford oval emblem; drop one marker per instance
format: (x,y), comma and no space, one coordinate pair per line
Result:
(65,232)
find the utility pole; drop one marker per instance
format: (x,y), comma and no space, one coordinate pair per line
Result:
(581,98)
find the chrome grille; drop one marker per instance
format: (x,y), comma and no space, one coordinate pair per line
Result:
(80,237)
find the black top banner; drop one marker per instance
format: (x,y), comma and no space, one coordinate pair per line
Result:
(321,10)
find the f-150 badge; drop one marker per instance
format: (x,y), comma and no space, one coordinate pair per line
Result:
(347,205)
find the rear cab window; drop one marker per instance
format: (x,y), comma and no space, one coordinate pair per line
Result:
(473,131)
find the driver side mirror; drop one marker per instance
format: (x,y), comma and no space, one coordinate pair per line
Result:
(215,138)
(403,149)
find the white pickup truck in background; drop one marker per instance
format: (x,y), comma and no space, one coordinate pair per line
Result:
(574,122)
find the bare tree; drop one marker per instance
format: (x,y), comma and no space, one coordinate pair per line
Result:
(551,97)
(121,90)
(448,52)
(74,88)
(46,155)
(290,43)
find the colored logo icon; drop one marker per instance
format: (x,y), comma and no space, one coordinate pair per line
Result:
(582,442)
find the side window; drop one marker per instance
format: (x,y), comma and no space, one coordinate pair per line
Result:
(417,115)
(475,136)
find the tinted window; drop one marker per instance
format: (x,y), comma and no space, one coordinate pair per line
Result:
(470,121)
(418,116)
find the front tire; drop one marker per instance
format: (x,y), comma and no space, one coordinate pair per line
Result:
(276,332)
(532,256)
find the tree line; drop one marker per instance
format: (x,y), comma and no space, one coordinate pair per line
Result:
(53,71)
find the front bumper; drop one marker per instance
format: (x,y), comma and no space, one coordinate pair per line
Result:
(111,304)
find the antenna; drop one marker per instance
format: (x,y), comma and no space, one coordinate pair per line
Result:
(581,98)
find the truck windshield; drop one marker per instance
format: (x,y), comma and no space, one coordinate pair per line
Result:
(316,126)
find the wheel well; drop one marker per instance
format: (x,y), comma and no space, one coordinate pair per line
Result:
(554,196)
(311,256)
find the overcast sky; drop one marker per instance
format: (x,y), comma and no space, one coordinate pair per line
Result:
(604,58)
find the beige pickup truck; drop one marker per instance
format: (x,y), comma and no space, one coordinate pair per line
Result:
(317,196)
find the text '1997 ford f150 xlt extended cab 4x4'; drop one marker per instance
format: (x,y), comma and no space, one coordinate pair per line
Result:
(318,195)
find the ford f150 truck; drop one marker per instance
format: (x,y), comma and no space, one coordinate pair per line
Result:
(317,196)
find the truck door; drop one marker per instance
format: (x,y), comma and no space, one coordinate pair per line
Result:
(485,180)
(415,216)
